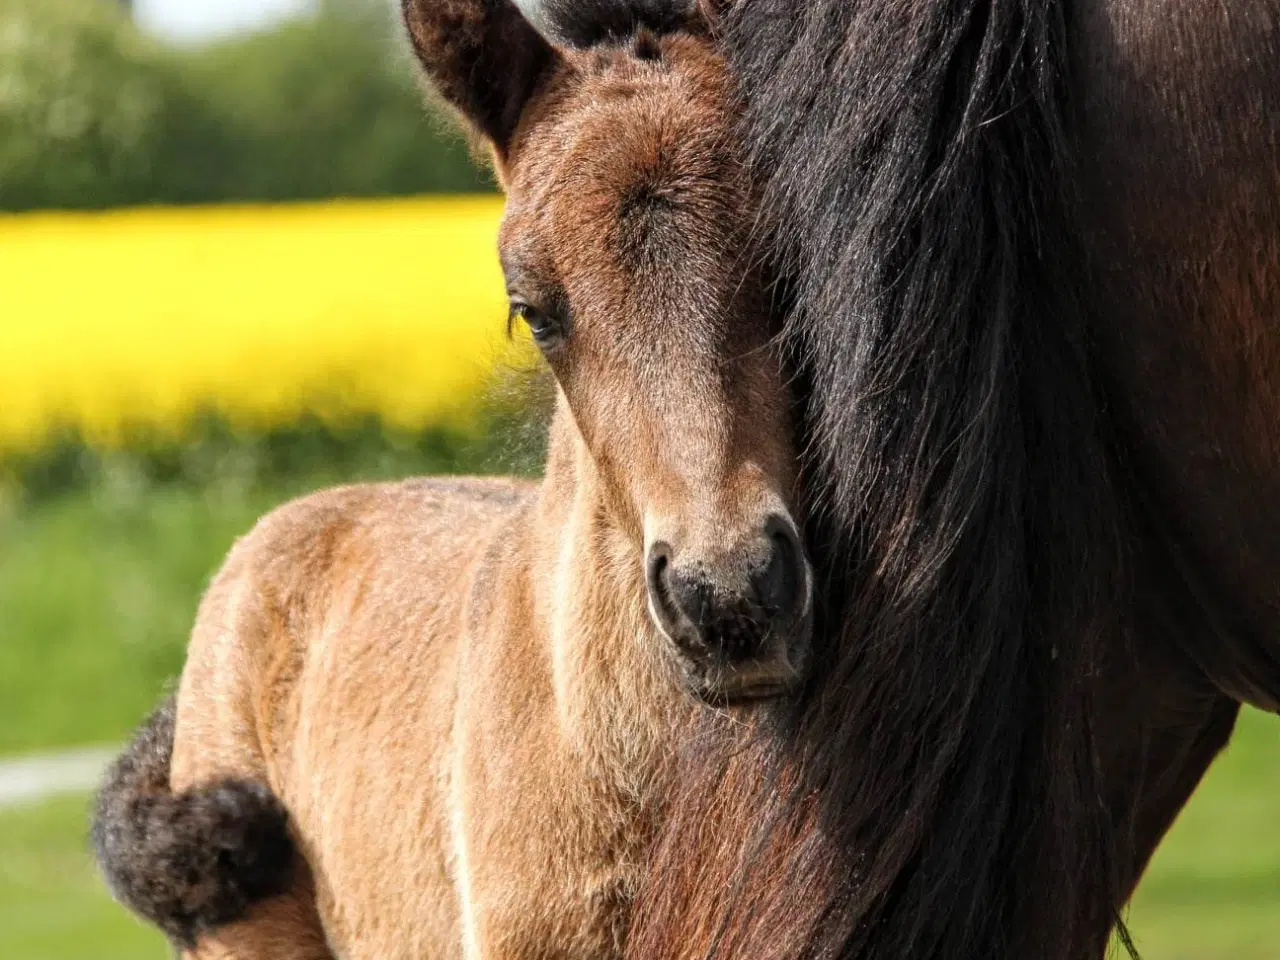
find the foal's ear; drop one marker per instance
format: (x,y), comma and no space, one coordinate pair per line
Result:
(483,57)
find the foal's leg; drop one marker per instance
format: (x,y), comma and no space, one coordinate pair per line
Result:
(224,702)
(284,928)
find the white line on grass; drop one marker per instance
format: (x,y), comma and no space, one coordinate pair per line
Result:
(29,779)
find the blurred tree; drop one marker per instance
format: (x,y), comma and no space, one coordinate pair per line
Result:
(328,106)
(94,114)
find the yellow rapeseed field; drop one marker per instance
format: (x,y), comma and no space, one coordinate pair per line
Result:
(111,322)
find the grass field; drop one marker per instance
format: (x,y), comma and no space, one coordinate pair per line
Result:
(98,590)
(1213,890)
(52,904)
(97,594)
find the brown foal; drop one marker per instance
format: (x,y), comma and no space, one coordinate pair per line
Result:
(426,719)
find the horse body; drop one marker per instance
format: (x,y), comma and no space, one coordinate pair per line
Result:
(1178,110)
(1177,121)
(1036,252)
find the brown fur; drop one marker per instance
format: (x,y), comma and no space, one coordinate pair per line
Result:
(457,688)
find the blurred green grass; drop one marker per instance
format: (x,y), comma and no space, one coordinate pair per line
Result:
(53,906)
(1213,889)
(98,587)
(97,595)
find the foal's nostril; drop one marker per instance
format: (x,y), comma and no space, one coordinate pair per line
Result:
(682,601)
(780,584)
(732,619)
(740,619)
(658,580)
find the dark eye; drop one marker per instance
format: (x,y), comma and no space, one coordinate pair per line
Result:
(545,328)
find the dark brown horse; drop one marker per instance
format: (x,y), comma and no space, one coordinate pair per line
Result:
(1034,256)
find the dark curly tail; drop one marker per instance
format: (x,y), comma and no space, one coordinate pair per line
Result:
(192,861)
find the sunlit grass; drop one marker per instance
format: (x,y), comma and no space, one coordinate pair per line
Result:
(53,905)
(1213,890)
(99,586)
(140,319)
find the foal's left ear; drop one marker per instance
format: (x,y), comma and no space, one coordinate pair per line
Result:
(483,57)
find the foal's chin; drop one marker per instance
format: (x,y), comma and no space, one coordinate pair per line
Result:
(776,674)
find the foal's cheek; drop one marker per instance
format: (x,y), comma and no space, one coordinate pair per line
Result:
(597,392)
(591,411)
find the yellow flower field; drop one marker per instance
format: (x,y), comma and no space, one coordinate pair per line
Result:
(116,321)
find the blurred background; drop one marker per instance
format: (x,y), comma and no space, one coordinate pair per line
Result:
(240,260)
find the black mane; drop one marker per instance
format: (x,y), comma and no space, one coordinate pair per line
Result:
(942,794)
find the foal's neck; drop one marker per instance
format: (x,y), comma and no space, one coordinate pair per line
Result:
(616,687)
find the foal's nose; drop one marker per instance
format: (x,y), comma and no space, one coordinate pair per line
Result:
(747,606)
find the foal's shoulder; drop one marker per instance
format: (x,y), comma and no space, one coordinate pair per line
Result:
(495,492)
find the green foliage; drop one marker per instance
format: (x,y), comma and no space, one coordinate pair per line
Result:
(328,106)
(103,559)
(97,596)
(93,114)
(212,454)
(53,904)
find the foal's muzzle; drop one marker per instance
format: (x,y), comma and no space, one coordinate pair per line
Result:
(741,622)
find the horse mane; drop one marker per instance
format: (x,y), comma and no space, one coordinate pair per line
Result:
(936,792)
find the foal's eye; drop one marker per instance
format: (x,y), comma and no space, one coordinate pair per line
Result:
(545,329)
